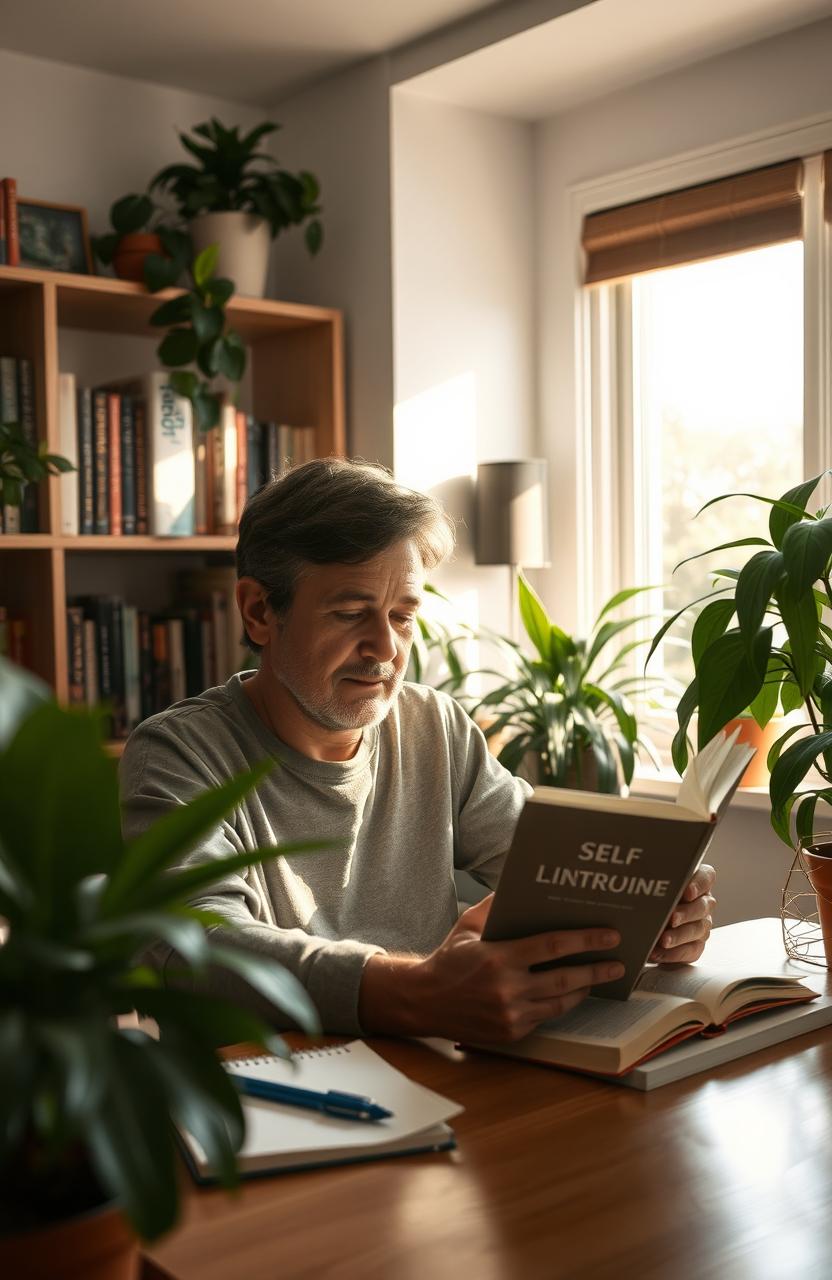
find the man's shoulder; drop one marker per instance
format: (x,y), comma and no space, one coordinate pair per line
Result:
(419,706)
(185,729)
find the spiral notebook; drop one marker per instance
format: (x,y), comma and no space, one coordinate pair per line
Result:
(280,1138)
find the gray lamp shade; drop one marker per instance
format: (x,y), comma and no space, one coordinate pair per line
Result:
(512,525)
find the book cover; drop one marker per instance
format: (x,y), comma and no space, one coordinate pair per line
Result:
(9,412)
(86,462)
(29,516)
(581,859)
(68,486)
(128,466)
(114,461)
(101,502)
(12,225)
(224,478)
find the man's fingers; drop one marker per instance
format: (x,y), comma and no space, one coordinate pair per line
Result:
(545,947)
(556,983)
(701,883)
(474,918)
(689,938)
(687,912)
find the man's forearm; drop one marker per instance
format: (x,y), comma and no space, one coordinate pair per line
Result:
(394,997)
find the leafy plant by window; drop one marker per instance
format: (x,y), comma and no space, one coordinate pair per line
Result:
(570,705)
(762,638)
(232,174)
(22,463)
(78,1092)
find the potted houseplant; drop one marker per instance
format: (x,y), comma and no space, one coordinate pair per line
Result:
(237,196)
(88,1105)
(140,228)
(569,706)
(23,463)
(762,639)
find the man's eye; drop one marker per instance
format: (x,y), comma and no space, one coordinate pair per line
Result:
(346,616)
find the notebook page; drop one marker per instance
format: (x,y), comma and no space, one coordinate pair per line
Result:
(349,1068)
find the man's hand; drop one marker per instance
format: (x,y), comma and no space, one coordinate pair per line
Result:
(691,922)
(481,991)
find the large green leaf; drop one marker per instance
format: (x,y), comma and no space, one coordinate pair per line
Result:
(723,546)
(729,679)
(800,618)
(711,623)
(184,884)
(605,633)
(807,547)
(278,985)
(174,834)
(130,1138)
(764,705)
(791,508)
(758,580)
(793,765)
(536,620)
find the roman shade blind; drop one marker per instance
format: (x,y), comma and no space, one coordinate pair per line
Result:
(747,211)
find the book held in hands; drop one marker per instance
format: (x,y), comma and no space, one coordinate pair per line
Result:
(584,860)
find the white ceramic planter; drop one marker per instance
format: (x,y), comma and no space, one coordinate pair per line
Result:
(244,242)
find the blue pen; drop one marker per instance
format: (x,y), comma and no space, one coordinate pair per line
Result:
(348,1106)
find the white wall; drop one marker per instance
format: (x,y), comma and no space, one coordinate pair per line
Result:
(464,288)
(75,136)
(339,130)
(771,84)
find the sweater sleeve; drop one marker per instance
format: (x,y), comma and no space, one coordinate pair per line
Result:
(489,799)
(157,772)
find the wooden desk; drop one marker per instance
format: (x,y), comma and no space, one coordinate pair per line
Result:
(723,1175)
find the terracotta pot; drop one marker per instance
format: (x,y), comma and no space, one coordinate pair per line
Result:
(817,858)
(128,262)
(98,1245)
(244,241)
(757,774)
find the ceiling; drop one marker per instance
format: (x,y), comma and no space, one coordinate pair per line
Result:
(605,46)
(260,51)
(253,51)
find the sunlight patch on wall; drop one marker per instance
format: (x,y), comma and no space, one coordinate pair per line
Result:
(435,434)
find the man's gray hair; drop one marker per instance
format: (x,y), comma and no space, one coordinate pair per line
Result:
(333,511)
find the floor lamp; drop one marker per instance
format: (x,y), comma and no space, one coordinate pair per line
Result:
(512,525)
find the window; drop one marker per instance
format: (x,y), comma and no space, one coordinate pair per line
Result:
(695,381)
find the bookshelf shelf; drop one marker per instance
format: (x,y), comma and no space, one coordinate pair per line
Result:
(296,376)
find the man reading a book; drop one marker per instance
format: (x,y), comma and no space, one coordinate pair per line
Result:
(331,562)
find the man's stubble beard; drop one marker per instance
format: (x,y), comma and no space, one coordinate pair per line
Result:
(330,712)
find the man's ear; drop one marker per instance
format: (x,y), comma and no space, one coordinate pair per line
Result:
(255,610)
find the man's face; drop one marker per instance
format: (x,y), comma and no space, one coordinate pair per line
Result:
(342,648)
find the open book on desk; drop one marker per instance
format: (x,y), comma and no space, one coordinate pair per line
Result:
(580,859)
(611,1037)
(280,1137)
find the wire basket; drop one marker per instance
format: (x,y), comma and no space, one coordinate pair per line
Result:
(799,917)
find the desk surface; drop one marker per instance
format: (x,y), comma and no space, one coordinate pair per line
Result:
(723,1175)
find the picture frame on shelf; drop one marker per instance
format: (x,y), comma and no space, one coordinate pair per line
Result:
(54,237)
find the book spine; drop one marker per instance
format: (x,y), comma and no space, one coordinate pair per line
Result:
(161,664)
(68,446)
(9,412)
(102,471)
(3,239)
(254,455)
(202,523)
(171,467)
(114,460)
(12,229)
(217,485)
(195,680)
(271,452)
(128,466)
(75,652)
(102,616)
(92,692)
(19,642)
(242,462)
(176,658)
(140,440)
(145,665)
(286,447)
(29,519)
(132,681)
(86,467)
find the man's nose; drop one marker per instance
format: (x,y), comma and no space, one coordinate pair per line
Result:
(378,640)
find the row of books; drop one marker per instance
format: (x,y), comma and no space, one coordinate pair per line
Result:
(9,228)
(141,467)
(139,661)
(17,405)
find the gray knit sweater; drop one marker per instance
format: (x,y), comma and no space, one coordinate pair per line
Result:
(421,797)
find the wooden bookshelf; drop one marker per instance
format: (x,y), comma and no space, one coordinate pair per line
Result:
(296,361)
